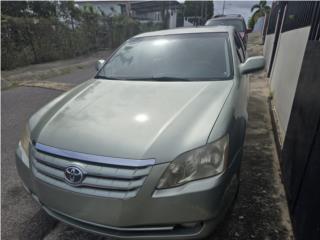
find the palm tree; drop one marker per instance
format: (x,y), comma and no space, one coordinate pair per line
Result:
(262,7)
(262,10)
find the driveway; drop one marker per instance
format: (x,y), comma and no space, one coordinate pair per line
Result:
(260,211)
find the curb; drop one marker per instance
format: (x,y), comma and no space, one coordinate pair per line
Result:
(275,128)
(34,73)
(38,76)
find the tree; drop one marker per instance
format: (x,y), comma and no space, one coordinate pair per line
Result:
(251,23)
(69,12)
(259,10)
(201,10)
(43,9)
(14,8)
(262,7)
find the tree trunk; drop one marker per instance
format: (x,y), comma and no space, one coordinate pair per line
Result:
(30,40)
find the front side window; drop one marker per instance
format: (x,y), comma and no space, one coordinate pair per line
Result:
(239,45)
(194,56)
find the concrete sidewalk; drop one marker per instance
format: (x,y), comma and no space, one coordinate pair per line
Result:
(45,74)
(18,209)
(260,211)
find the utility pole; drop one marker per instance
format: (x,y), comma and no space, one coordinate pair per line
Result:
(201,13)
(206,11)
(223,6)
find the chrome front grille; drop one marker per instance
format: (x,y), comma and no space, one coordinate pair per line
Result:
(100,179)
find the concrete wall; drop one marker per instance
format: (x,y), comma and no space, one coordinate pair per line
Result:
(286,70)
(173,19)
(155,17)
(267,48)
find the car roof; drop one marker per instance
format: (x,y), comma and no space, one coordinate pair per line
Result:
(231,16)
(185,30)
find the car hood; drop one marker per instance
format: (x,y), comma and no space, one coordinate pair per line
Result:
(133,119)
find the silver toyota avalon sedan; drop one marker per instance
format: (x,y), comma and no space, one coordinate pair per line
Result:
(150,148)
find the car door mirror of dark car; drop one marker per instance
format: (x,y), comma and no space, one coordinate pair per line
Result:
(252,64)
(100,64)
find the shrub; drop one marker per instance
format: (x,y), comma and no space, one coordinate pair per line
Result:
(29,39)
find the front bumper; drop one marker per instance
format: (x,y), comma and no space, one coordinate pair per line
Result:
(186,212)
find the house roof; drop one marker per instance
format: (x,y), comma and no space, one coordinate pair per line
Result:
(153,6)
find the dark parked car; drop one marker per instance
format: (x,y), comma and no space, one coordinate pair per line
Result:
(237,21)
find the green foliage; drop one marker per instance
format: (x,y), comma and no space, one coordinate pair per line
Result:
(17,9)
(42,8)
(260,9)
(36,32)
(251,23)
(262,6)
(201,9)
(29,8)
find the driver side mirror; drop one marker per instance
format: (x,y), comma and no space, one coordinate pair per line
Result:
(252,64)
(100,64)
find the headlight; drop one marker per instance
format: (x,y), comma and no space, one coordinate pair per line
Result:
(199,163)
(25,143)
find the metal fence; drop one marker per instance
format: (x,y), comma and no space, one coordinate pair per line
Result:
(300,156)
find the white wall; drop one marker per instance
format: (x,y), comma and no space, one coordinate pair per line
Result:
(109,8)
(155,17)
(286,70)
(173,19)
(267,49)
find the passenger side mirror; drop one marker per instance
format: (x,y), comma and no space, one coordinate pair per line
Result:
(100,64)
(252,64)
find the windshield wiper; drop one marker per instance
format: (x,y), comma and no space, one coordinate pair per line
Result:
(160,79)
(168,79)
(106,77)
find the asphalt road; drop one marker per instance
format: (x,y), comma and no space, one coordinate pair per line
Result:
(17,207)
(259,212)
(18,104)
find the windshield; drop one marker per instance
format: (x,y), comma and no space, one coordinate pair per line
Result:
(236,23)
(201,56)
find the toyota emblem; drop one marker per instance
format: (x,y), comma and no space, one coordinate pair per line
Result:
(73,175)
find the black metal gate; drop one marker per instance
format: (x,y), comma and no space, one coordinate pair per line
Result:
(300,160)
(301,150)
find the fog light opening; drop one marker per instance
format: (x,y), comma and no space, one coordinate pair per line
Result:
(190,225)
